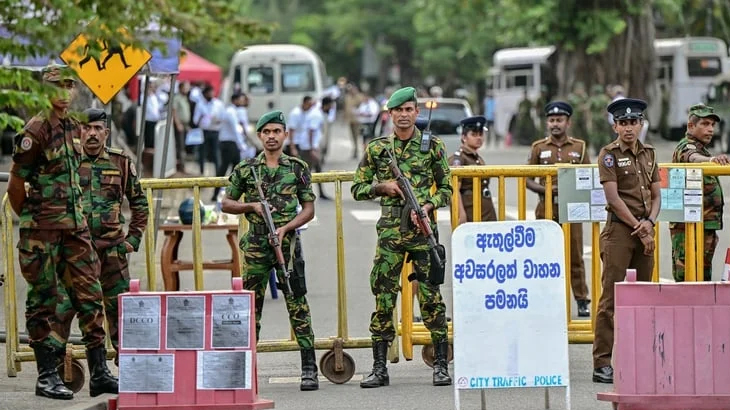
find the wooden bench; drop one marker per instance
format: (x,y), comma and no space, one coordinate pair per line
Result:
(671,347)
(170,265)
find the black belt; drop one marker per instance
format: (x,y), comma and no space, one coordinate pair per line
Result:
(615,218)
(486,193)
(258,229)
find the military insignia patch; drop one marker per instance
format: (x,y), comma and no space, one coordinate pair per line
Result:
(111,172)
(456,163)
(26,143)
(690,146)
(608,160)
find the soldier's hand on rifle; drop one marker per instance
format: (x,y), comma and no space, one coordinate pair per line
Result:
(389,188)
(426,209)
(280,232)
(258,207)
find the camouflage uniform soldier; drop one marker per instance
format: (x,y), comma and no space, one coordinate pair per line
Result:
(693,148)
(397,234)
(286,182)
(107,175)
(54,242)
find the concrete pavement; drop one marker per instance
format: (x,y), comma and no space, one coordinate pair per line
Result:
(410,381)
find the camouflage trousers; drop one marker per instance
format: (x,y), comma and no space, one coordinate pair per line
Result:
(114,279)
(386,276)
(50,257)
(711,240)
(260,260)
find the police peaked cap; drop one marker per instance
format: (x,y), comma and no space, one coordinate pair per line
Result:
(475,123)
(627,109)
(558,108)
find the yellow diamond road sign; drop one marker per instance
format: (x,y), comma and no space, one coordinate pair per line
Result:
(105,76)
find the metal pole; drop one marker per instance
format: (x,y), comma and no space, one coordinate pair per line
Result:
(163,167)
(140,138)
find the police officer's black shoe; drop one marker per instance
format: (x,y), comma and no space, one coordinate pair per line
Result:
(49,383)
(101,380)
(310,380)
(441,365)
(379,376)
(584,309)
(603,375)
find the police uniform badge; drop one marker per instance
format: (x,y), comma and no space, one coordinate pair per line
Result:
(608,160)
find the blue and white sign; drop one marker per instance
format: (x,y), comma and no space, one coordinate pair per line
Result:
(510,325)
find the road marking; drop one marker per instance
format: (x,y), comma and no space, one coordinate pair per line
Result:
(297,380)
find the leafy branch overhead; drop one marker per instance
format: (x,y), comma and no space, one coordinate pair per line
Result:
(37,28)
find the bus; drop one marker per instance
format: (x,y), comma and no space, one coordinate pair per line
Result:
(685,66)
(275,77)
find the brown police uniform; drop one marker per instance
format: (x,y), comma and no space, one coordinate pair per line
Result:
(465,156)
(634,173)
(548,151)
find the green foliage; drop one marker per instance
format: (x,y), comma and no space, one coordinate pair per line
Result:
(48,27)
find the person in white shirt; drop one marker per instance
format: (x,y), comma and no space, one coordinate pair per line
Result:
(315,121)
(297,126)
(233,147)
(367,113)
(207,116)
(242,114)
(151,116)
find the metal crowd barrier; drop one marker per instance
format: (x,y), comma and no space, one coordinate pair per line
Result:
(335,364)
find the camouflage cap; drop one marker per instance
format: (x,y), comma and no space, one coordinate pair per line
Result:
(54,73)
(272,117)
(703,111)
(401,96)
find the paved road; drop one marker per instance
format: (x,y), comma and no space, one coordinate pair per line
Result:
(410,381)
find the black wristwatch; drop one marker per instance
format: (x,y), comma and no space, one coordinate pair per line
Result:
(651,220)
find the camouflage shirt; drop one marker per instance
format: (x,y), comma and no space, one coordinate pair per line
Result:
(284,186)
(422,170)
(712,200)
(46,157)
(106,180)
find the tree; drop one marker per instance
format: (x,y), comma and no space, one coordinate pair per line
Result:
(38,28)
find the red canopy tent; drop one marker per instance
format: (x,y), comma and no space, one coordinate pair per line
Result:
(195,68)
(192,68)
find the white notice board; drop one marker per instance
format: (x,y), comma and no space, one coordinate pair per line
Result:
(510,325)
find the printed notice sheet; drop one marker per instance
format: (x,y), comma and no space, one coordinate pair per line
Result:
(140,322)
(231,321)
(146,373)
(224,370)
(185,322)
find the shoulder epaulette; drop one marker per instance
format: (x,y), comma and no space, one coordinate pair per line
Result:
(116,151)
(537,142)
(298,161)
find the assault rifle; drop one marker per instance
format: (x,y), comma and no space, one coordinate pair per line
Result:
(273,237)
(436,250)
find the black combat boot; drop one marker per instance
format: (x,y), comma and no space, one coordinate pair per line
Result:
(310,381)
(49,383)
(441,365)
(379,376)
(584,308)
(101,381)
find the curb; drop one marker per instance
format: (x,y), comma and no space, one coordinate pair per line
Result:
(100,403)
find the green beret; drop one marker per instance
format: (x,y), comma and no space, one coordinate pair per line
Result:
(401,96)
(704,111)
(273,117)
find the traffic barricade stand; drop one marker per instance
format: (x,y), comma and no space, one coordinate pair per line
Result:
(670,346)
(192,350)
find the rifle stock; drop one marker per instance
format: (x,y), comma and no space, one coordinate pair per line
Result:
(273,237)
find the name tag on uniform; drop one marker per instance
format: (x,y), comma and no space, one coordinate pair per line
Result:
(624,162)
(111,172)
(574,154)
(545,154)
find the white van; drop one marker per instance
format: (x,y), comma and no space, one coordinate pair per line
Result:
(275,77)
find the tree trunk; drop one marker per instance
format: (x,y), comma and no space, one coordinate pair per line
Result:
(628,60)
